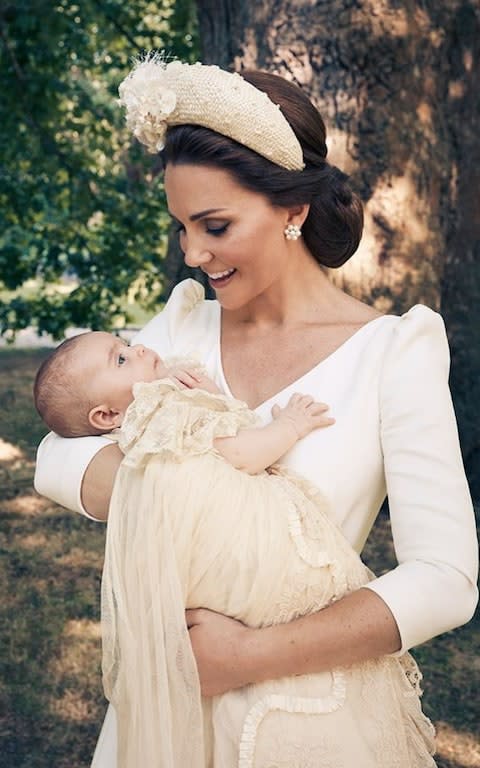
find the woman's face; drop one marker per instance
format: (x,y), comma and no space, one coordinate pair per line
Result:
(235,236)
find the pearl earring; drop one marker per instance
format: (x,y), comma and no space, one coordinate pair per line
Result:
(292,232)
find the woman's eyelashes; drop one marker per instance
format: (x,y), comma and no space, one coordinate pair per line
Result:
(217,230)
(211,228)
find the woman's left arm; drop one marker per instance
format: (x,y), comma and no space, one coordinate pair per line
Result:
(230,655)
(432,590)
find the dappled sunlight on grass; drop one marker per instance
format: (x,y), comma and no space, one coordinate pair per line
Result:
(463,749)
(33,541)
(50,567)
(9,452)
(83,629)
(27,505)
(78,658)
(78,653)
(72,706)
(80,558)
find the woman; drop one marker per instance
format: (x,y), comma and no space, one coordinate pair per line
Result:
(261,211)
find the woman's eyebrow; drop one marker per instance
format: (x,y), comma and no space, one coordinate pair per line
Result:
(207,212)
(199,215)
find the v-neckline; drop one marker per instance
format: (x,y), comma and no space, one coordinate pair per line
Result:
(313,369)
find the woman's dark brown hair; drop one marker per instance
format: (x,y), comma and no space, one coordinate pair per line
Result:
(333,227)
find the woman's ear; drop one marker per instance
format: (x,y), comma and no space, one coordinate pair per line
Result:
(297,214)
(103,418)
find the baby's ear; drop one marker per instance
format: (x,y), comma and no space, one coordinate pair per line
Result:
(104,418)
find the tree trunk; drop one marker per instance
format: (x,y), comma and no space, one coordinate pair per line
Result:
(396,85)
(460,296)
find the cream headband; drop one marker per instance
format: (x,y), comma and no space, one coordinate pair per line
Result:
(157,94)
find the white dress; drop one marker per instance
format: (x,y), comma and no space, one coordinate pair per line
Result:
(395,430)
(187,529)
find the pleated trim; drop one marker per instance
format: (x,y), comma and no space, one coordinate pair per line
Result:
(290,704)
(313,557)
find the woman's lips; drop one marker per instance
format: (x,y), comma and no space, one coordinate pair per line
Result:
(220,279)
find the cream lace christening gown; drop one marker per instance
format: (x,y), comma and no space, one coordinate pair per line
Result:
(186,529)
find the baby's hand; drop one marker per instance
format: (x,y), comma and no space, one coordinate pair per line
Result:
(189,378)
(304,414)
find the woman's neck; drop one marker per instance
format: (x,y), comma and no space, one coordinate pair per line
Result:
(302,295)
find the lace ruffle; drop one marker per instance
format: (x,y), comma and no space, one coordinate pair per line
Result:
(291,704)
(316,537)
(174,423)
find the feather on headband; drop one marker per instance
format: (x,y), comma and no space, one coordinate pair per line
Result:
(157,94)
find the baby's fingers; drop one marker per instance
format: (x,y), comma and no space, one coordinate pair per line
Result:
(300,400)
(315,408)
(319,419)
(184,377)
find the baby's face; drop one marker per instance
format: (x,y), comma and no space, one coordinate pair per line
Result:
(114,367)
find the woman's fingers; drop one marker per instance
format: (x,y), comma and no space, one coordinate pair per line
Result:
(218,646)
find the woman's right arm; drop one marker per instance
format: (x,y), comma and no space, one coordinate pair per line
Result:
(97,483)
(77,473)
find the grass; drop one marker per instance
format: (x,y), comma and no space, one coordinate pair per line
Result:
(51,700)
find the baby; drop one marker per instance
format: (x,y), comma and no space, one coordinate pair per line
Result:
(86,385)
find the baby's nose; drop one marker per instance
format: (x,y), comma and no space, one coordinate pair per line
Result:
(139,349)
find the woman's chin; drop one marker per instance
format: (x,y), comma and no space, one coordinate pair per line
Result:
(222,283)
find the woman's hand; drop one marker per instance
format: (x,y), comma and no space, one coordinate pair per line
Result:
(222,649)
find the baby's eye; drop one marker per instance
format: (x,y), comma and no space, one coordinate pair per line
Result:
(121,359)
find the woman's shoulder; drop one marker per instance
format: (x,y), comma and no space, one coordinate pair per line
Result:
(417,334)
(419,322)
(415,347)
(185,312)
(417,338)
(186,298)
(418,318)
(389,330)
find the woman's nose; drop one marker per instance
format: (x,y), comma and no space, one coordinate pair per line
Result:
(196,255)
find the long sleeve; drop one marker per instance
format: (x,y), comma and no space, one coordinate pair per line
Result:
(433,589)
(60,466)
(61,462)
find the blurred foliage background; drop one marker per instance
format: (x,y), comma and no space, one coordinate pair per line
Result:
(84,232)
(83,223)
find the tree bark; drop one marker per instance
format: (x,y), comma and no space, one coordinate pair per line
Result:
(460,288)
(396,85)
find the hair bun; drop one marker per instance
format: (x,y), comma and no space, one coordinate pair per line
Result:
(334,225)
